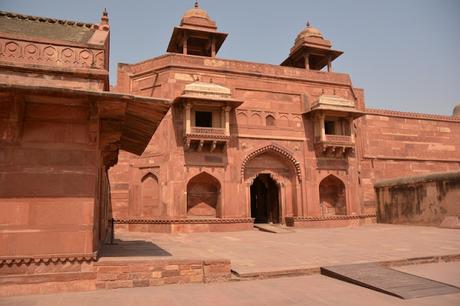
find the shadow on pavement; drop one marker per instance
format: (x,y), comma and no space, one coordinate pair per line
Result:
(133,248)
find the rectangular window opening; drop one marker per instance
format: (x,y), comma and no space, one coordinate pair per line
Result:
(203,119)
(329,127)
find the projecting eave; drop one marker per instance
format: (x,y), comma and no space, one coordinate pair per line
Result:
(179,31)
(138,116)
(233,103)
(338,109)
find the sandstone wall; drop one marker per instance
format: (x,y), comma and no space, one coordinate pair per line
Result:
(425,199)
(395,144)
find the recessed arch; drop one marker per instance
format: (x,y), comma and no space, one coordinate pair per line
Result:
(150,195)
(270,120)
(203,195)
(256,119)
(332,196)
(274,149)
(242,118)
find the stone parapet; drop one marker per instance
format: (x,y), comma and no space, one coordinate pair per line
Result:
(424,199)
(52,277)
(113,274)
(393,113)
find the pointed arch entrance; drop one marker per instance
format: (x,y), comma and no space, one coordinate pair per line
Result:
(272,178)
(265,204)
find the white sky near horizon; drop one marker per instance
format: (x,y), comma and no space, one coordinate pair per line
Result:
(404,54)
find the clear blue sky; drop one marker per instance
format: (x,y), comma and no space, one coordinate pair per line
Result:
(405,54)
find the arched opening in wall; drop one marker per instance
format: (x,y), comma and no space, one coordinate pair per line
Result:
(270,120)
(203,193)
(265,204)
(150,198)
(332,196)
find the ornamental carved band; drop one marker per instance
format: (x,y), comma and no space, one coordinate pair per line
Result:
(45,54)
(277,150)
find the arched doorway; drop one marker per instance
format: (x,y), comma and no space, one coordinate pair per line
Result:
(332,196)
(203,192)
(265,204)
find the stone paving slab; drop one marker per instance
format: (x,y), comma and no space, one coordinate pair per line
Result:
(316,290)
(256,251)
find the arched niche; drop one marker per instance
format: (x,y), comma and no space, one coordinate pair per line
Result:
(270,120)
(203,196)
(150,196)
(332,196)
(242,119)
(256,119)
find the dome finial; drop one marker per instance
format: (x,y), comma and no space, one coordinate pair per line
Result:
(196,3)
(105,19)
(308,23)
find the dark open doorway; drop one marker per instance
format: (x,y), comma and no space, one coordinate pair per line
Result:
(265,200)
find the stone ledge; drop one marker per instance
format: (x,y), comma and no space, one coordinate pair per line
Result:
(432,177)
(330,221)
(333,217)
(184,221)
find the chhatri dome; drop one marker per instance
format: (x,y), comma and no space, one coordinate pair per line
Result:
(196,35)
(309,31)
(311,51)
(197,17)
(456,111)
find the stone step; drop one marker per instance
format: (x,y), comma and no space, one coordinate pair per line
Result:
(273,228)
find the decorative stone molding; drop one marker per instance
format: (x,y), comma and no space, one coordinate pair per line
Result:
(79,258)
(334,217)
(183,221)
(21,51)
(276,149)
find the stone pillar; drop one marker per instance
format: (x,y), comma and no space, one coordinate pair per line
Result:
(188,128)
(184,44)
(329,64)
(213,47)
(352,135)
(227,120)
(307,61)
(321,124)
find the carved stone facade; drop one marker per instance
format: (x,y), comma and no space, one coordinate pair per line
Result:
(295,144)
(60,131)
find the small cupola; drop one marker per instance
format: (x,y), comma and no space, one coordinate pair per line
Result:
(456,111)
(311,51)
(196,35)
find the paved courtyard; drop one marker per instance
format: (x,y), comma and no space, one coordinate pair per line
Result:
(256,251)
(314,290)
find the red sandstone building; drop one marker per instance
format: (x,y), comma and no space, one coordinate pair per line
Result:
(247,142)
(234,143)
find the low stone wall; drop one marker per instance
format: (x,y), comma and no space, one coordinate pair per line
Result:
(144,273)
(425,199)
(43,277)
(22,276)
(330,221)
